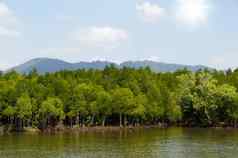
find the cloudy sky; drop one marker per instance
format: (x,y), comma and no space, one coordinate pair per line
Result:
(175,31)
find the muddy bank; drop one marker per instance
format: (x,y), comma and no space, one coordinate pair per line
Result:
(100,128)
(62,128)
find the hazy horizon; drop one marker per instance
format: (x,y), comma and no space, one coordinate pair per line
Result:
(104,60)
(189,32)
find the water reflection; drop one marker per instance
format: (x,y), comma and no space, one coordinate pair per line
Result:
(149,143)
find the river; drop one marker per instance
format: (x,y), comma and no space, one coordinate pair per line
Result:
(146,143)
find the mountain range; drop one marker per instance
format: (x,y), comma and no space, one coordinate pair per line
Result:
(44,65)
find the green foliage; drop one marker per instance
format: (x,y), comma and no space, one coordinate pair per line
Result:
(9,111)
(52,107)
(24,107)
(119,97)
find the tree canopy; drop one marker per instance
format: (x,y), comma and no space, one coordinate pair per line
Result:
(121,97)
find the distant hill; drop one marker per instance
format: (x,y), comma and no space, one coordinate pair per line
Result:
(162,67)
(43,65)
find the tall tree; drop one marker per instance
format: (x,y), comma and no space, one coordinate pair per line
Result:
(23,110)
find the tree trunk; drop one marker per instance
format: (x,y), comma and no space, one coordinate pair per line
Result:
(120,120)
(71,123)
(83,122)
(11,120)
(103,121)
(22,125)
(92,120)
(125,120)
(138,122)
(77,119)
(47,122)
(19,125)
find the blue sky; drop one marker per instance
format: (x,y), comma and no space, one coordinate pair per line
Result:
(175,31)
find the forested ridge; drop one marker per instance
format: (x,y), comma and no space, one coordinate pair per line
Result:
(118,97)
(51,65)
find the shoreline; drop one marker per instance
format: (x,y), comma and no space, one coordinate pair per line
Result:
(99,129)
(83,129)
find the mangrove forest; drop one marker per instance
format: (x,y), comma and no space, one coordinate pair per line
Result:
(118,97)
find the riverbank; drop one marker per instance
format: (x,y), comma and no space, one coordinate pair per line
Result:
(77,129)
(101,128)
(7,129)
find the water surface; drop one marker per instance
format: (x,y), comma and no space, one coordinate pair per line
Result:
(149,143)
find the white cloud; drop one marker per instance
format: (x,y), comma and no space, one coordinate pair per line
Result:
(4,10)
(224,61)
(154,58)
(61,51)
(150,12)
(4,65)
(192,12)
(8,32)
(7,21)
(217,61)
(104,37)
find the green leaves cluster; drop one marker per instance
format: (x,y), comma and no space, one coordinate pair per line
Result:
(205,102)
(119,97)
